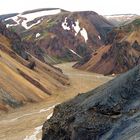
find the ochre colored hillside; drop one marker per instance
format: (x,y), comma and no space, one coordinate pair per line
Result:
(121,52)
(25,80)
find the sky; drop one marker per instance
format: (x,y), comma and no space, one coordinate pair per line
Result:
(103,7)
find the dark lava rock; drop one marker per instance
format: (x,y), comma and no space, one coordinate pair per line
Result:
(136,45)
(22,48)
(16,42)
(31,65)
(109,112)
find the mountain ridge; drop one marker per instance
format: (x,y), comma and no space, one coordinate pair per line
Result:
(81,30)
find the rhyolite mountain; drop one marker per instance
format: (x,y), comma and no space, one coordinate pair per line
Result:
(61,35)
(23,77)
(109,112)
(120,53)
(121,19)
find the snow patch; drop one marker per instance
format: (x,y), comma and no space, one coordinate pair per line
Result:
(29,114)
(99,37)
(75,53)
(24,24)
(24,19)
(84,34)
(11,25)
(65,24)
(37,130)
(44,110)
(20,20)
(35,133)
(37,35)
(76,27)
(49,116)
(82,31)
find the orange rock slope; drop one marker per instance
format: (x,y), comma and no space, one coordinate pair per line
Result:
(121,52)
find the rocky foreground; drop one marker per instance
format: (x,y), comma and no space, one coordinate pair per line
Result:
(111,111)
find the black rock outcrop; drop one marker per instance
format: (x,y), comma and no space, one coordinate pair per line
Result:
(109,112)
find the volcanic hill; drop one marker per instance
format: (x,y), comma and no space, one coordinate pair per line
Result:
(121,52)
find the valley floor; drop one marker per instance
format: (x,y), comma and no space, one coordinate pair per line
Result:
(25,123)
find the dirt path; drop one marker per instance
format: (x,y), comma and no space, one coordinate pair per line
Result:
(25,123)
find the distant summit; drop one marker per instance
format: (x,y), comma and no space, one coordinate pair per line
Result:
(61,35)
(119,19)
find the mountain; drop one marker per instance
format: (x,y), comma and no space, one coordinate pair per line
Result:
(110,112)
(3,17)
(61,35)
(120,19)
(121,52)
(24,78)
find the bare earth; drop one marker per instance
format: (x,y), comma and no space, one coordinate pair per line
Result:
(25,123)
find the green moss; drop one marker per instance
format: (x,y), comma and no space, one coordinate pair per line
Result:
(46,24)
(13,29)
(120,60)
(134,25)
(136,22)
(28,37)
(50,24)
